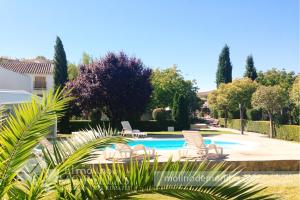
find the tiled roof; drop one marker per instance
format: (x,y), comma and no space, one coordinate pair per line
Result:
(28,67)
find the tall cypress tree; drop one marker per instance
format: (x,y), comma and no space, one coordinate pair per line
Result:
(60,65)
(250,69)
(60,79)
(224,71)
(181,113)
(175,106)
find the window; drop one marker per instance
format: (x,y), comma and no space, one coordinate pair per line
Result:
(40,83)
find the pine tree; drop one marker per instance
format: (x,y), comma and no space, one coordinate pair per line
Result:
(181,113)
(60,65)
(60,79)
(224,71)
(250,69)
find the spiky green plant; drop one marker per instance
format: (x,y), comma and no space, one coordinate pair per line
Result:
(123,182)
(22,131)
(59,159)
(24,176)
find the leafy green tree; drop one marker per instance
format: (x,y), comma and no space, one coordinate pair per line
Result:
(181,112)
(277,77)
(212,103)
(239,96)
(295,101)
(250,69)
(41,58)
(166,83)
(60,79)
(295,92)
(224,71)
(285,80)
(270,99)
(232,97)
(73,71)
(86,58)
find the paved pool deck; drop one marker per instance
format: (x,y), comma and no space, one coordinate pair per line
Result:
(255,149)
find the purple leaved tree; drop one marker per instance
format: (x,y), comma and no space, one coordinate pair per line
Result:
(116,84)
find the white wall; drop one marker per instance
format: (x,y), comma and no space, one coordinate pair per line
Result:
(49,82)
(14,81)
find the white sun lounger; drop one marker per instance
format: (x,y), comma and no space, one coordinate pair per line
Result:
(194,141)
(125,151)
(128,131)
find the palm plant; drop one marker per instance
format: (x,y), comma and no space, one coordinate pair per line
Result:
(21,132)
(121,182)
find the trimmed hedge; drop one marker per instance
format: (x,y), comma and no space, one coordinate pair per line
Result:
(285,132)
(76,125)
(151,125)
(288,132)
(254,114)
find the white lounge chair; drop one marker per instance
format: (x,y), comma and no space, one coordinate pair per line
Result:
(194,141)
(128,131)
(125,151)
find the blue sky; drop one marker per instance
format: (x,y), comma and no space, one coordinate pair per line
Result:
(189,33)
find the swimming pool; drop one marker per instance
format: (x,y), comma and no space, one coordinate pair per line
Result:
(174,144)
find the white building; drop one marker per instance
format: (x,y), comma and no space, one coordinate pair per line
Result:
(34,76)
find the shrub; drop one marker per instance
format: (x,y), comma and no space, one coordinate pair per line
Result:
(288,132)
(96,116)
(151,125)
(160,114)
(234,114)
(295,115)
(77,125)
(285,132)
(221,113)
(258,126)
(215,114)
(254,114)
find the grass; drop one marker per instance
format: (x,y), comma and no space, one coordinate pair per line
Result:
(203,132)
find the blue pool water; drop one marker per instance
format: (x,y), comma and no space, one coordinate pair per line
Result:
(174,144)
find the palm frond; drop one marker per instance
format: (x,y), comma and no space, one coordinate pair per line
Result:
(35,186)
(23,130)
(79,149)
(61,157)
(119,182)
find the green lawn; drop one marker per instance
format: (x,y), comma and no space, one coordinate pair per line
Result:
(203,132)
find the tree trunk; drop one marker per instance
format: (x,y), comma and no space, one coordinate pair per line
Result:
(225,118)
(271,125)
(241,120)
